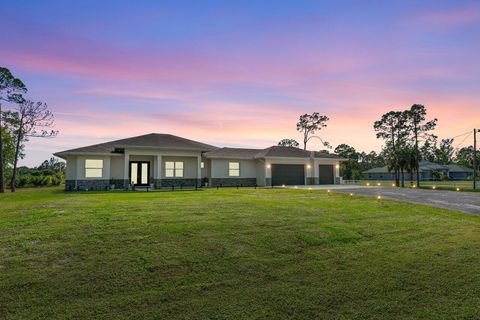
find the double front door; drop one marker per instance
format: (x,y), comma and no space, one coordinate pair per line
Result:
(139,172)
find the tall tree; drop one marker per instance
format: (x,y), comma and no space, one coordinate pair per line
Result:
(390,128)
(445,151)
(347,168)
(10,88)
(308,124)
(464,156)
(35,121)
(288,143)
(420,129)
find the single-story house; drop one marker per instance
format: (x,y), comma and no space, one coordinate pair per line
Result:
(165,160)
(428,171)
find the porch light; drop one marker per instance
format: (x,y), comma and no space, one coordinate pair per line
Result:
(337,166)
(269,166)
(308,166)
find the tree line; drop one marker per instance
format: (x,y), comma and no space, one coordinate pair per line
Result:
(407,137)
(21,119)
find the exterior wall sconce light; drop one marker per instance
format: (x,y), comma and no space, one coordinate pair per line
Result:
(269,166)
(337,166)
(308,166)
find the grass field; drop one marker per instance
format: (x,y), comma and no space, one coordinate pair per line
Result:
(234,254)
(466,186)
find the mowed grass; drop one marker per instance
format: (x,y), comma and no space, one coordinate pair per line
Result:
(466,186)
(234,254)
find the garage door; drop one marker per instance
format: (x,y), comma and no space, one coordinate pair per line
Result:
(288,174)
(325,174)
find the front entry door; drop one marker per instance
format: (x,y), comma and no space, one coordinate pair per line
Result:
(139,172)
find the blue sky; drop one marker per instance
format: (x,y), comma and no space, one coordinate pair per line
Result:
(240,73)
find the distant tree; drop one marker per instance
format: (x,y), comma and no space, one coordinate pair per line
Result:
(392,128)
(34,122)
(416,118)
(308,124)
(464,156)
(288,143)
(347,168)
(10,90)
(445,152)
(52,164)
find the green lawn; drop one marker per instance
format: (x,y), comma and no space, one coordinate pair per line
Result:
(439,185)
(234,254)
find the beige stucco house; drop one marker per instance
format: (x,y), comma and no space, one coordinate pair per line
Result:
(164,160)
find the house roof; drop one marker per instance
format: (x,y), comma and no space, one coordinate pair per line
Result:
(426,166)
(458,168)
(377,170)
(232,153)
(154,140)
(273,152)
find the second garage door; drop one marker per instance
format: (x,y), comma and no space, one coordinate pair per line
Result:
(325,174)
(288,174)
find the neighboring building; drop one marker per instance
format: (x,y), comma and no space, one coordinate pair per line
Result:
(428,171)
(164,160)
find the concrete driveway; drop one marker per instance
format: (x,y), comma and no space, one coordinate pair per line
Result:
(461,201)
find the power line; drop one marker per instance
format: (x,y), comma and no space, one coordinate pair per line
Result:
(460,143)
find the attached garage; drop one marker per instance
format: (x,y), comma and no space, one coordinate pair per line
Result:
(326,174)
(288,174)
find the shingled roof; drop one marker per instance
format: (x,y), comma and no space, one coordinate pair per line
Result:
(154,140)
(273,151)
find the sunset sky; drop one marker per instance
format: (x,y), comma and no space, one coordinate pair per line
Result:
(240,73)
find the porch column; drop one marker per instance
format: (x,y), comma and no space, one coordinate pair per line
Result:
(199,170)
(158,178)
(126,178)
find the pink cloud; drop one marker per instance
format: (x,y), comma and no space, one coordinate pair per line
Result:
(447,18)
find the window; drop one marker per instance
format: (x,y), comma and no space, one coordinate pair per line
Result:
(173,169)
(202,165)
(93,168)
(234,169)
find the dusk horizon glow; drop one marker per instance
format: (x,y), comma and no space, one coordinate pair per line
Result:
(241,74)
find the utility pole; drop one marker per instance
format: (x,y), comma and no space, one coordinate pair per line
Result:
(475,159)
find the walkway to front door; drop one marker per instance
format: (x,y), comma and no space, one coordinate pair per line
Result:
(139,173)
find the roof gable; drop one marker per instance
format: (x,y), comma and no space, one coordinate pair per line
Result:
(153,140)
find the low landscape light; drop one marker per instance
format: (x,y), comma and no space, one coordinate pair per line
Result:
(434,187)
(283,186)
(368,184)
(394,185)
(414,186)
(328,191)
(379,197)
(309,188)
(296,187)
(351,194)
(379,184)
(458,189)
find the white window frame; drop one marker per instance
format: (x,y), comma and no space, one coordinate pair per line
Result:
(234,172)
(92,167)
(174,169)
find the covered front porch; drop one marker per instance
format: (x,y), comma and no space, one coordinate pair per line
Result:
(143,168)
